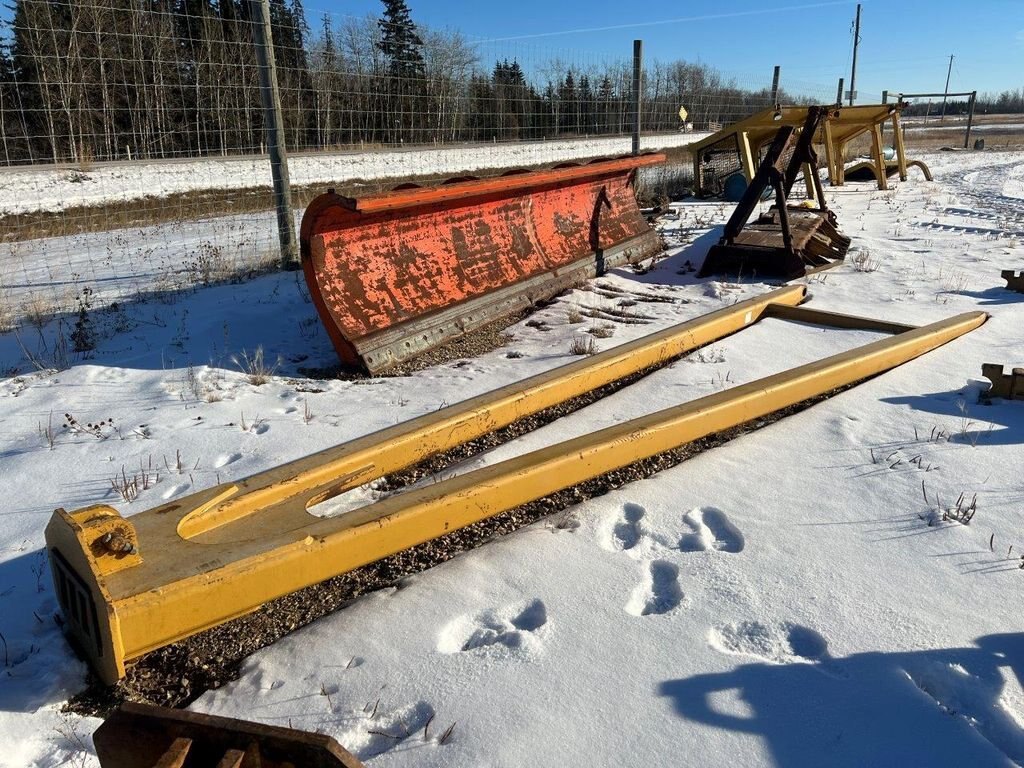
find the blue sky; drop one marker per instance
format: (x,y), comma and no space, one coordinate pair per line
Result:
(905,44)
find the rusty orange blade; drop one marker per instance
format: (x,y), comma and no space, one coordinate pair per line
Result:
(395,274)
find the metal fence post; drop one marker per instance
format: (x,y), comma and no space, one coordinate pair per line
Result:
(970,118)
(274,127)
(775,85)
(638,58)
(839,93)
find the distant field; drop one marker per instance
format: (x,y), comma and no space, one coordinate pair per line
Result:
(998,131)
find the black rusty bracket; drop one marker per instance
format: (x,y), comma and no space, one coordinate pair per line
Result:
(1009,386)
(145,736)
(780,175)
(1014,280)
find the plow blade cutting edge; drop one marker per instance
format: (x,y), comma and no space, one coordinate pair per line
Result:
(129,586)
(396,274)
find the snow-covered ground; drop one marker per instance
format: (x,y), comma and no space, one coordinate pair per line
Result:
(780,600)
(56,189)
(128,263)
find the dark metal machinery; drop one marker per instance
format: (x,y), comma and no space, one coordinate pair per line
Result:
(788,241)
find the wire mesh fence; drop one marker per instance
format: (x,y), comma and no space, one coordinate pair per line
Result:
(109,80)
(133,142)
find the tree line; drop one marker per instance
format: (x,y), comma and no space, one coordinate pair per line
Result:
(121,79)
(1008,102)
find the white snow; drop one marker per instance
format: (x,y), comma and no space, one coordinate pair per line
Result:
(133,263)
(51,188)
(129,263)
(779,600)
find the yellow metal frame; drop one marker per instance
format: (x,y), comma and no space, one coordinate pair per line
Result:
(841,126)
(129,586)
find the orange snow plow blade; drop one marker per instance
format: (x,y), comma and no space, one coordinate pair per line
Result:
(396,274)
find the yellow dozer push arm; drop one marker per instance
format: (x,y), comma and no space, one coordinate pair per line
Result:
(130,585)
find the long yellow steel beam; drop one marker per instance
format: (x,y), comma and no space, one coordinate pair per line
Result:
(154,587)
(90,545)
(325,474)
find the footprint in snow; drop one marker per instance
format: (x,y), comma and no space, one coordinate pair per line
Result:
(659,592)
(514,628)
(223,461)
(376,730)
(710,529)
(778,643)
(626,533)
(977,699)
(174,490)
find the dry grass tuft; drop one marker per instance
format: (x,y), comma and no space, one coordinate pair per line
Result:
(37,311)
(583,345)
(256,368)
(862,261)
(6,314)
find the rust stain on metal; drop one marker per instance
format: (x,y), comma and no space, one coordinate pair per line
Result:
(567,226)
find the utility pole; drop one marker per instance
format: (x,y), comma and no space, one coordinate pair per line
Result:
(946,92)
(856,40)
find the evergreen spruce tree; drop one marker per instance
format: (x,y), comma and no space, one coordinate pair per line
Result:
(567,112)
(330,49)
(400,42)
(480,117)
(606,100)
(12,149)
(585,106)
(406,102)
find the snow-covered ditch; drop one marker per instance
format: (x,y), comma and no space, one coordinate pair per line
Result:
(780,600)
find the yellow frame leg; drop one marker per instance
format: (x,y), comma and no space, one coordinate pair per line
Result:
(876,150)
(901,150)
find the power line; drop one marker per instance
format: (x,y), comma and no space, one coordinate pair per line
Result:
(707,17)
